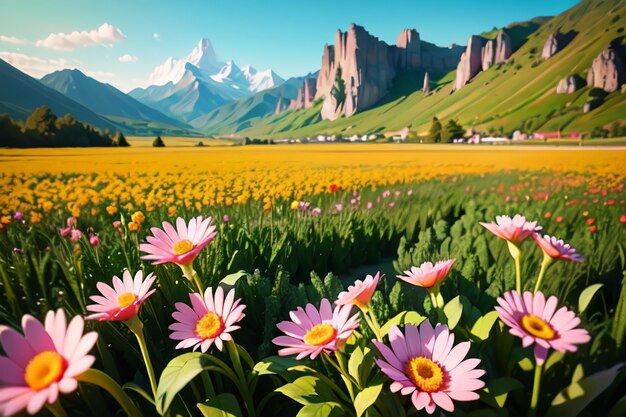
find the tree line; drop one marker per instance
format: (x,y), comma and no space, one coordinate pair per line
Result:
(42,128)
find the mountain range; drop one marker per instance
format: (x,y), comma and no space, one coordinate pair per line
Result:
(192,86)
(565,73)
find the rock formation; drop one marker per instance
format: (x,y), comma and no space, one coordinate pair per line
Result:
(607,71)
(480,55)
(570,84)
(408,53)
(504,48)
(426,87)
(487,55)
(592,104)
(470,63)
(368,67)
(556,42)
(306,95)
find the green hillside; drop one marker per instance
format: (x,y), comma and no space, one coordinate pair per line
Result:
(241,114)
(518,94)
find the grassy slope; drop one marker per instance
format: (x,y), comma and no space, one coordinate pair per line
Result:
(506,95)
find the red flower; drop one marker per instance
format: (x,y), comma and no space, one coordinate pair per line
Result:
(623,218)
(559,219)
(593,229)
(334,188)
(548,215)
(591,220)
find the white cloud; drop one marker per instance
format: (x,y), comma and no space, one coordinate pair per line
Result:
(13,40)
(156,36)
(105,35)
(32,65)
(128,58)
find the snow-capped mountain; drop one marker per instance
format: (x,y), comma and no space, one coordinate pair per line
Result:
(172,70)
(188,87)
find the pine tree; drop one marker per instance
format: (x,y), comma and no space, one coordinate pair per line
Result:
(453,131)
(434,134)
(158,142)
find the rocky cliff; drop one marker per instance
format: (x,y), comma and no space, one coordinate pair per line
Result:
(607,71)
(306,95)
(556,42)
(570,84)
(480,55)
(367,67)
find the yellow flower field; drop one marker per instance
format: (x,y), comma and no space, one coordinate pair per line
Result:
(42,180)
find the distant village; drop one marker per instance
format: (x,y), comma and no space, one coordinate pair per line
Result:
(402,136)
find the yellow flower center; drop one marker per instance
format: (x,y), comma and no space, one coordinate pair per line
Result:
(537,327)
(44,369)
(209,326)
(126,299)
(182,247)
(425,374)
(320,334)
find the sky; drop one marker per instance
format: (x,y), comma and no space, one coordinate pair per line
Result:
(121,41)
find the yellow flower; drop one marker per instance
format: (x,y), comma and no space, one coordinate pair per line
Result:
(47,206)
(172,211)
(35,217)
(94,211)
(294,204)
(111,209)
(5,219)
(132,226)
(76,211)
(138,217)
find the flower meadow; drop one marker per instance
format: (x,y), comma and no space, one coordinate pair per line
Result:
(508,298)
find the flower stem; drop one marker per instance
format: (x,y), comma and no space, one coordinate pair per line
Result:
(99,378)
(433,299)
(56,409)
(348,380)
(192,276)
(547,261)
(136,326)
(532,411)
(516,253)
(233,351)
(371,322)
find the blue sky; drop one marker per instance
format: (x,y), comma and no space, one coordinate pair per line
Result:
(284,35)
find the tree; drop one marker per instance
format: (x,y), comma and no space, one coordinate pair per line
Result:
(41,120)
(434,134)
(158,142)
(615,130)
(339,89)
(453,131)
(120,140)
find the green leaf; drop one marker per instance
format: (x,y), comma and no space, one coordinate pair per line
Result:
(619,409)
(453,310)
(484,324)
(136,388)
(231,280)
(273,365)
(587,295)
(325,409)
(366,398)
(223,405)
(177,374)
(554,358)
(404,317)
(573,399)
(499,388)
(307,390)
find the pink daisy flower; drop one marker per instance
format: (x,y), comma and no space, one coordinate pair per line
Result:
(537,321)
(122,301)
(514,230)
(424,364)
(557,249)
(427,275)
(209,320)
(314,331)
(360,293)
(43,362)
(180,245)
